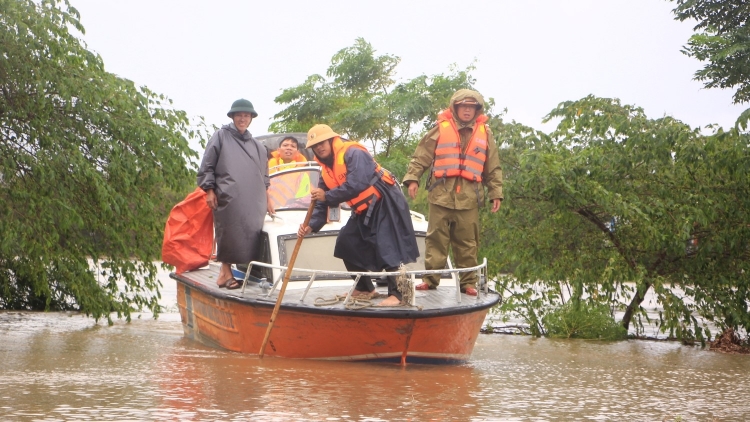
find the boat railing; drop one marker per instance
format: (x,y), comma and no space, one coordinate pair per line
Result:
(481,269)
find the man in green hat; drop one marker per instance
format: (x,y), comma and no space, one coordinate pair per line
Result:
(234,174)
(242,105)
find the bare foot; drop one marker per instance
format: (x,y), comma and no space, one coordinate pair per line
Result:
(390,301)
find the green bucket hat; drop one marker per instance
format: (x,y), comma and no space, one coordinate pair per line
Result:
(242,105)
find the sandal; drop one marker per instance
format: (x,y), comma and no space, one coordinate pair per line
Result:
(224,284)
(232,284)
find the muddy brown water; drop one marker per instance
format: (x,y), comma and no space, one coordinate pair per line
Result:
(59,366)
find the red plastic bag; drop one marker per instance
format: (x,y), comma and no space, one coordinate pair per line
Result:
(189,234)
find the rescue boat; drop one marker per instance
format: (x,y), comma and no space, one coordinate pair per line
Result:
(318,317)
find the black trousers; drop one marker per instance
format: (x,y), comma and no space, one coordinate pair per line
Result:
(365,283)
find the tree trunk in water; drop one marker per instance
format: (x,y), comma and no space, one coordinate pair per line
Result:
(640,294)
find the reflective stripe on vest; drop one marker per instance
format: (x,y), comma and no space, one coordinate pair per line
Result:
(449,161)
(336,176)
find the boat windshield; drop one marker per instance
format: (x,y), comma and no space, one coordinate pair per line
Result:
(290,189)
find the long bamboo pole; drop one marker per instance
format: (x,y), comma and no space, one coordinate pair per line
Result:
(286,280)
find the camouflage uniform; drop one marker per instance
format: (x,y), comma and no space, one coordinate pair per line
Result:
(454,201)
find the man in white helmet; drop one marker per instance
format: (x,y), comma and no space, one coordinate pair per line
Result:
(379,234)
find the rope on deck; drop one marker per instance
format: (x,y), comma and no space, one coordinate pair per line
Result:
(403,284)
(353,304)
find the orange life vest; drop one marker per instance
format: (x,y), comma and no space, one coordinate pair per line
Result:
(449,160)
(336,176)
(276,160)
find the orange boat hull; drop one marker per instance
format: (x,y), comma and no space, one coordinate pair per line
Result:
(301,334)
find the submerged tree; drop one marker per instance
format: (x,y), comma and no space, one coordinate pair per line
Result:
(361,99)
(613,205)
(89,166)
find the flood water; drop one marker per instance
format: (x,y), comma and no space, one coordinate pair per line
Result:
(59,366)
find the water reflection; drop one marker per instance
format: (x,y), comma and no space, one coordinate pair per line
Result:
(246,387)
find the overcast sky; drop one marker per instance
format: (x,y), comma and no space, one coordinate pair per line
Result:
(530,54)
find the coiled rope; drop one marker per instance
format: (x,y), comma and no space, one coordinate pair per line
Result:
(353,304)
(403,284)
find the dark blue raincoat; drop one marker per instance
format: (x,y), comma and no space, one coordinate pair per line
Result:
(384,240)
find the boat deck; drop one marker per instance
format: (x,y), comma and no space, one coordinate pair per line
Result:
(430,303)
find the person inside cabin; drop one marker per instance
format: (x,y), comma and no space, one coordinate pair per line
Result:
(464,159)
(287,189)
(379,234)
(239,209)
(286,156)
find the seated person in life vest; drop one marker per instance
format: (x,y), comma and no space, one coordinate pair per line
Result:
(287,188)
(286,156)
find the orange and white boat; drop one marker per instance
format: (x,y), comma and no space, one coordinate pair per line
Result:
(318,318)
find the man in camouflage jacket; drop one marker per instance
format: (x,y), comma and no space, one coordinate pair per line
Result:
(455,199)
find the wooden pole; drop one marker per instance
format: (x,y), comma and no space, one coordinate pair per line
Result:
(286,280)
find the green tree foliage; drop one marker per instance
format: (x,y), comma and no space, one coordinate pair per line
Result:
(722,40)
(580,320)
(89,166)
(359,97)
(610,206)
